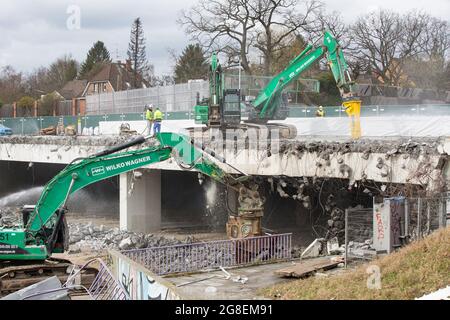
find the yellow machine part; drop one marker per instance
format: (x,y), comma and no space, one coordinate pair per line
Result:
(353,109)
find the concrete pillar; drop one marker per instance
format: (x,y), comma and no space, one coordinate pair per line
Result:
(140,210)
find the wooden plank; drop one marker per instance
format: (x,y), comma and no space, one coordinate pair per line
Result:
(304,268)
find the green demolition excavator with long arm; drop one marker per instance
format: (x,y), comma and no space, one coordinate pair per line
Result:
(45,230)
(222,109)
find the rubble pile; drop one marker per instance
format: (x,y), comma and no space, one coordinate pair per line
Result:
(9,217)
(97,238)
(360,249)
(84,236)
(336,224)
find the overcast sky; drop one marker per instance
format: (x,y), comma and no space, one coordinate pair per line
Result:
(35,33)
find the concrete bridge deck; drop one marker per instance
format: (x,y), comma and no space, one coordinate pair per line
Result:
(419,157)
(413,151)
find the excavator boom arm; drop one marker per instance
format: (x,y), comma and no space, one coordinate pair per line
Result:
(267,102)
(108,164)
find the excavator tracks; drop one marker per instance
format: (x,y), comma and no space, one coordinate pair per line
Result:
(283,131)
(14,277)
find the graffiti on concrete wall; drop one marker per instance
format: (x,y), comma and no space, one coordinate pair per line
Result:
(140,283)
(381,226)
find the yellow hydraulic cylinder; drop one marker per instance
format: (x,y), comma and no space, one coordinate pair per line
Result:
(353,110)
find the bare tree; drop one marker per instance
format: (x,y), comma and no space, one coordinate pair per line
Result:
(278,22)
(436,39)
(385,41)
(63,70)
(11,84)
(428,68)
(221,25)
(377,40)
(334,23)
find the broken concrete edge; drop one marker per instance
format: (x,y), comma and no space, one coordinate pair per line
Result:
(314,249)
(146,285)
(69,140)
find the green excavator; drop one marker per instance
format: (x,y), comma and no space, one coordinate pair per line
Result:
(27,249)
(223,107)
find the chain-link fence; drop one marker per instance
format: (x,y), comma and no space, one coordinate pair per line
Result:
(358,232)
(392,223)
(183,97)
(424,215)
(178,97)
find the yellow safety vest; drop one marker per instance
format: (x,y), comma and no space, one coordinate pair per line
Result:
(158,115)
(149,115)
(320,113)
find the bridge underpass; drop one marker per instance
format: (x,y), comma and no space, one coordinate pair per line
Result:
(299,174)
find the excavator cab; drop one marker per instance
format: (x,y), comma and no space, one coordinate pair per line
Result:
(230,108)
(281,112)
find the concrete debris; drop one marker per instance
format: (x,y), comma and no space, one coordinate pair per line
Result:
(240,279)
(333,246)
(338,259)
(314,249)
(10,217)
(296,252)
(281,192)
(98,238)
(49,131)
(70,130)
(361,249)
(336,224)
(86,236)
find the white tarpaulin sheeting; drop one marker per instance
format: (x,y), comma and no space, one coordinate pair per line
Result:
(419,126)
(401,126)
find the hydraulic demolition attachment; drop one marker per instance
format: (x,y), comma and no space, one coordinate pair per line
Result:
(45,230)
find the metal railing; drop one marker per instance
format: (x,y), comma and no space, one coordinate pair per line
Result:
(104,287)
(213,254)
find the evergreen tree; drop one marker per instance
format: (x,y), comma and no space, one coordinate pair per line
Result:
(137,53)
(192,64)
(98,54)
